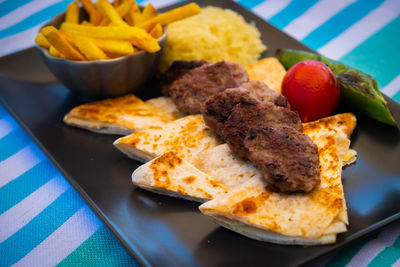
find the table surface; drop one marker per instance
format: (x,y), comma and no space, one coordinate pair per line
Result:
(43,220)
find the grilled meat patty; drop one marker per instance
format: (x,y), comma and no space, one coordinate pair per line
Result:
(263,93)
(218,107)
(190,90)
(256,114)
(177,70)
(256,122)
(270,136)
(288,159)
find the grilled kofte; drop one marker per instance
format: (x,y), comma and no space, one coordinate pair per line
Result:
(218,107)
(269,136)
(177,70)
(254,120)
(192,89)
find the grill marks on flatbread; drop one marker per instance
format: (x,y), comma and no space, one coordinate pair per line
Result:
(166,104)
(254,210)
(209,174)
(171,175)
(238,193)
(216,162)
(344,123)
(186,136)
(120,115)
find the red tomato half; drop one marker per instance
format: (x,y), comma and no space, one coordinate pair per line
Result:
(312,89)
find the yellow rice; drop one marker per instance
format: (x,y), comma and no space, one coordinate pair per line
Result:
(215,34)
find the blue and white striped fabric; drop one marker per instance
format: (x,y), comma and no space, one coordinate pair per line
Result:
(44,222)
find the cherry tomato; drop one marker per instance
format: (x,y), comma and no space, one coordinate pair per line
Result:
(312,89)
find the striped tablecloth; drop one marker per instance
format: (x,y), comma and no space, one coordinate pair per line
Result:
(44,222)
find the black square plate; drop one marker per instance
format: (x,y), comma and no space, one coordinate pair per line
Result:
(164,231)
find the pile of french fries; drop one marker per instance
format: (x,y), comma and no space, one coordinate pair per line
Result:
(112,30)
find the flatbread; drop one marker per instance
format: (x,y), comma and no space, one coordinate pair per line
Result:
(166,104)
(121,115)
(209,174)
(268,70)
(186,136)
(189,135)
(252,209)
(344,123)
(170,174)
(218,163)
(219,175)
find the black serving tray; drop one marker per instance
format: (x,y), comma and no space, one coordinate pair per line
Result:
(164,231)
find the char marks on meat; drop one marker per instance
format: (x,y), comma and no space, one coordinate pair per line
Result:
(218,107)
(177,70)
(192,89)
(287,158)
(263,93)
(256,114)
(257,124)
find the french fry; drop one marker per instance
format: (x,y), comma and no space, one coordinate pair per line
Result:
(146,43)
(136,15)
(88,48)
(157,31)
(113,47)
(54,52)
(136,18)
(171,16)
(91,9)
(72,13)
(42,41)
(128,19)
(138,37)
(117,3)
(149,12)
(118,34)
(105,21)
(125,7)
(69,39)
(59,42)
(123,11)
(86,23)
(88,6)
(96,17)
(111,13)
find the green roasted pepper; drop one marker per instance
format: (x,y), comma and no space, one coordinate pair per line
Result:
(357,89)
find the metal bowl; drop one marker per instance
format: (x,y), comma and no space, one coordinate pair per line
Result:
(104,78)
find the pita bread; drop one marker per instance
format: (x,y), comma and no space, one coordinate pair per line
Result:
(190,135)
(213,172)
(218,163)
(166,104)
(344,123)
(252,209)
(170,174)
(121,115)
(186,136)
(218,174)
(268,70)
